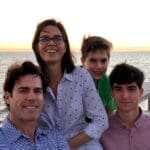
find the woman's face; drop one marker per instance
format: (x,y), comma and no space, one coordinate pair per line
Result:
(51,45)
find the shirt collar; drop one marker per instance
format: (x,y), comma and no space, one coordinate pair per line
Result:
(67,76)
(141,119)
(12,134)
(118,123)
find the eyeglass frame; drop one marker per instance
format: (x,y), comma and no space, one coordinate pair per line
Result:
(57,39)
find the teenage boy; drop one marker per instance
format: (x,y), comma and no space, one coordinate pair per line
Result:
(95,57)
(129,127)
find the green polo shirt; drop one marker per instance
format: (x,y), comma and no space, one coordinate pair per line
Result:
(104,91)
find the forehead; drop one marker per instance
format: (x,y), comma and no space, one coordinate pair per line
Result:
(125,85)
(51,29)
(28,81)
(97,54)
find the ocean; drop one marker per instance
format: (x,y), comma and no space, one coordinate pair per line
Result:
(138,59)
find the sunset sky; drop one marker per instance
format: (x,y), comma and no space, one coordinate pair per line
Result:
(124,22)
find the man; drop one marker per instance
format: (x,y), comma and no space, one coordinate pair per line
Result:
(129,127)
(95,58)
(23,95)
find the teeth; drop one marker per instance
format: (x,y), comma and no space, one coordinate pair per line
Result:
(51,51)
(30,107)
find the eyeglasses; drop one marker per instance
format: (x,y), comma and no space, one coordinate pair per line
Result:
(57,39)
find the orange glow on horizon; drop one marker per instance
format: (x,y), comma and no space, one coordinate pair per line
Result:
(74,48)
(15,47)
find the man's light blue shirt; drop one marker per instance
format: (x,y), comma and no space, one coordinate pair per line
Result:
(45,139)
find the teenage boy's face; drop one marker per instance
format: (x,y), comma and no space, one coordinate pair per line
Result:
(127,96)
(96,63)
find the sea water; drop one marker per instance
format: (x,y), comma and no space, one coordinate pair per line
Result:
(138,59)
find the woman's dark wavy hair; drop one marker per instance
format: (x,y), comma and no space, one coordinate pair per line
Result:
(67,63)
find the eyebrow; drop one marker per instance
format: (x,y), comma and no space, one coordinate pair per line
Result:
(95,59)
(53,35)
(25,87)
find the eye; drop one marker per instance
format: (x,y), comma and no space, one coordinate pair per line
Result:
(38,90)
(116,89)
(44,39)
(132,88)
(103,61)
(23,90)
(58,38)
(93,60)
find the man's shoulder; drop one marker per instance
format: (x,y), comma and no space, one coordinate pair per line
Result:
(1,133)
(51,132)
(3,140)
(145,118)
(55,137)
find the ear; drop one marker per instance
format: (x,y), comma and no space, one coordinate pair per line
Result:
(6,97)
(111,92)
(141,92)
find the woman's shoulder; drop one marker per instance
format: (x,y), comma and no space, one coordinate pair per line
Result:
(80,71)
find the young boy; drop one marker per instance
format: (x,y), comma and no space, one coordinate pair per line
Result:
(95,53)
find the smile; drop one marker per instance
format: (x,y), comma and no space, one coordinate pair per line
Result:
(51,51)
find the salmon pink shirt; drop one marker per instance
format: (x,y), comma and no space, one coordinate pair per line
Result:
(118,137)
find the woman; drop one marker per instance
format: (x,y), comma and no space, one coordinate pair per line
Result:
(70,89)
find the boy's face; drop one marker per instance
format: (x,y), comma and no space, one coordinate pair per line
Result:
(96,63)
(127,96)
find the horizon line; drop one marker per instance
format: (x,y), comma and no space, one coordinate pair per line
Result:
(76,49)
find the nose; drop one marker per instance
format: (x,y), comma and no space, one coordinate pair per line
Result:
(31,96)
(125,94)
(51,42)
(99,65)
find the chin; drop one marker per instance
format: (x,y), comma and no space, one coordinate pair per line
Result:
(52,61)
(97,78)
(32,119)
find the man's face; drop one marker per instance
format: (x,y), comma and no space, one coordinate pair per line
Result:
(127,96)
(26,100)
(96,63)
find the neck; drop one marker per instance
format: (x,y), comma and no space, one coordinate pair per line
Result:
(53,71)
(29,130)
(27,127)
(128,118)
(54,75)
(96,83)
